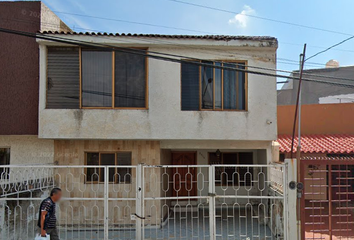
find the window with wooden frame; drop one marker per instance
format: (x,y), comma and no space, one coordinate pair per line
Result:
(98,79)
(113,79)
(214,88)
(96,174)
(231,175)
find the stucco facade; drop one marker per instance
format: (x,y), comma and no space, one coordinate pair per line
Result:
(28,150)
(164,120)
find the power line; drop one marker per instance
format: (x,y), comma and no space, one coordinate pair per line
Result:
(132,22)
(333,46)
(176,28)
(320,47)
(295,62)
(263,18)
(154,56)
(172,43)
(249,66)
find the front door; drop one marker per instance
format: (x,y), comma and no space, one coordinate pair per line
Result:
(184,178)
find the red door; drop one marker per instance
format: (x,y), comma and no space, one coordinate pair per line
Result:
(184,178)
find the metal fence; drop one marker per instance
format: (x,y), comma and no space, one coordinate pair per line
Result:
(327,209)
(148,202)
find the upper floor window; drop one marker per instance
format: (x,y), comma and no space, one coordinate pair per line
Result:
(211,88)
(90,78)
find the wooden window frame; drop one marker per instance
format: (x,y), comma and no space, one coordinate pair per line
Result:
(245,62)
(116,166)
(113,84)
(222,163)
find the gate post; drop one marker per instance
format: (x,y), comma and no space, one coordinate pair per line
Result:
(106,207)
(212,213)
(291,199)
(2,219)
(139,205)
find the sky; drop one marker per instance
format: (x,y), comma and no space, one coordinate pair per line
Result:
(243,18)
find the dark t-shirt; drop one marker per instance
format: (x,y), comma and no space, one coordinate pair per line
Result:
(49,206)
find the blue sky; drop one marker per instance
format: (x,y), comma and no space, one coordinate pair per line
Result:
(336,16)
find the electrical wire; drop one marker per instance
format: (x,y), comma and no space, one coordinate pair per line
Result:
(172,43)
(249,66)
(315,75)
(133,22)
(156,56)
(333,46)
(262,18)
(176,28)
(156,40)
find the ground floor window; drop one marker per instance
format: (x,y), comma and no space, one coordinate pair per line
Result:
(4,160)
(116,174)
(237,176)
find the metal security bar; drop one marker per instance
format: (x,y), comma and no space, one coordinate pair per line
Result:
(327,201)
(147,202)
(214,202)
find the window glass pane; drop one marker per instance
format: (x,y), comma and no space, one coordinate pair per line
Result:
(4,160)
(96,78)
(92,174)
(107,159)
(241,89)
(63,82)
(124,174)
(190,86)
(207,86)
(130,80)
(218,86)
(229,87)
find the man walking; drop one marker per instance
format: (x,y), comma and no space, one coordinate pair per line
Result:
(47,219)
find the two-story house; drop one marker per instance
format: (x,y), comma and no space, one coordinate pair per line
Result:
(119,100)
(155,111)
(109,105)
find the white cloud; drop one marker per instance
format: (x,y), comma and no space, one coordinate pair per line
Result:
(241,19)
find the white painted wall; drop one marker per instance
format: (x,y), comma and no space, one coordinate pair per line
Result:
(342,98)
(28,150)
(164,118)
(49,20)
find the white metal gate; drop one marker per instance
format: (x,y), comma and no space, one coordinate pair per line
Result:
(148,202)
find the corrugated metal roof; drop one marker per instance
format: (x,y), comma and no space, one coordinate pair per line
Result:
(324,143)
(207,37)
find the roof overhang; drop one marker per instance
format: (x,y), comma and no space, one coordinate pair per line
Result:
(147,40)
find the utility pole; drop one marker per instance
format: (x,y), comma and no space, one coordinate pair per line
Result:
(302,62)
(298,151)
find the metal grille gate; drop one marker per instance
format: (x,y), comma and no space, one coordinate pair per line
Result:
(148,202)
(328,201)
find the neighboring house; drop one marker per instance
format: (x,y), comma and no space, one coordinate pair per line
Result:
(19,81)
(327,165)
(342,98)
(316,92)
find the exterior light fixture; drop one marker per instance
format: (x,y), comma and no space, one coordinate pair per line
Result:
(218,153)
